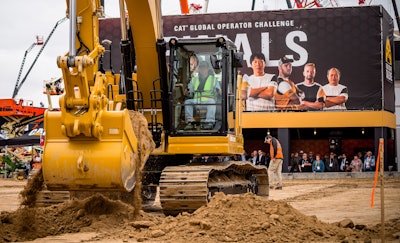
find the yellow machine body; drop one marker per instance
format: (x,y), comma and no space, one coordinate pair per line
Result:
(88,163)
(94,143)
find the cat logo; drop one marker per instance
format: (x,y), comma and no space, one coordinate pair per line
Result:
(389,61)
(388,52)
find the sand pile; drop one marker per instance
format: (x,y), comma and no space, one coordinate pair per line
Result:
(92,214)
(227,218)
(249,218)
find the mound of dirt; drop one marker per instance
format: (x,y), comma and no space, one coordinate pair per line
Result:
(250,218)
(227,218)
(92,215)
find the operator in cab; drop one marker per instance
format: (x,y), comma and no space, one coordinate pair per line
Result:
(203,89)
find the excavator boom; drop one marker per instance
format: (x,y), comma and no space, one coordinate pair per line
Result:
(115,131)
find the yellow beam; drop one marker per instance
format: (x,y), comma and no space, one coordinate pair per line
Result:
(205,145)
(317,119)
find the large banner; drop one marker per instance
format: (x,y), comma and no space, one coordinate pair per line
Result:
(356,41)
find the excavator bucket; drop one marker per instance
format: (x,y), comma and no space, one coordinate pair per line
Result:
(111,162)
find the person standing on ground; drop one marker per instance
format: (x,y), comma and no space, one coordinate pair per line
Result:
(275,165)
(345,164)
(305,163)
(332,164)
(356,164)
(254,157)
(261,158)
(318,165)
(311,156)
(294,163)
(369,162)
(243,156)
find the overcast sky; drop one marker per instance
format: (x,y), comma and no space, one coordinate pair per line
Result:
(22,20)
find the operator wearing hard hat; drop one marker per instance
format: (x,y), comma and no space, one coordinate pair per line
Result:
(288,96)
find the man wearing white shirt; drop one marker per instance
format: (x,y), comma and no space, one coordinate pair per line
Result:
(336,94)
(258,89)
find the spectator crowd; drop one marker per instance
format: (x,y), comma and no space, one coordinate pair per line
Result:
(306,162)
(303,162)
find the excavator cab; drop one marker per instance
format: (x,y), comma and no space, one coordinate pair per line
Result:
(202,82)
(204,111)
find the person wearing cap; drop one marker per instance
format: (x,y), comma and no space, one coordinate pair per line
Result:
(203,89)
(331,163)
(369,162)
(288,96)
(336,94)
(275,164)
(258,89)
(314,96)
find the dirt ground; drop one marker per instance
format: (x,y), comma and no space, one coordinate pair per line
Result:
(323,210)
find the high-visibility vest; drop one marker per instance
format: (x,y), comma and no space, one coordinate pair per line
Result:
(279,153)
(208,90)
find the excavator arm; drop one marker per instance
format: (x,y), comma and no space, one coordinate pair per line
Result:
(88,145)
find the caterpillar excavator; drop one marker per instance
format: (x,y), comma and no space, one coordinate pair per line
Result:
(115,132)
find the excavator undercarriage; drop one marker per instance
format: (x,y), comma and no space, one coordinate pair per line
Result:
(185,188)
(188,187)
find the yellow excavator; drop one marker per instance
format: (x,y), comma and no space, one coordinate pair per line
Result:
(114,132)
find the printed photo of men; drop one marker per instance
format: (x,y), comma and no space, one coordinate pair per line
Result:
(288,96)
(258,89)
(314,96)
(336,94)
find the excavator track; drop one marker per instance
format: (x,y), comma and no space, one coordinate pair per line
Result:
(186,188)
